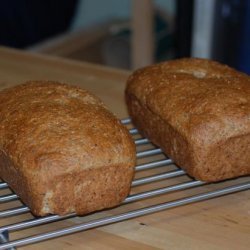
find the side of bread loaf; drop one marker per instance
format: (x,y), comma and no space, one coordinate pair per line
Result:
(62,151)
(198,112)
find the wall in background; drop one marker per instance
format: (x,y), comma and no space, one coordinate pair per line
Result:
(90,12)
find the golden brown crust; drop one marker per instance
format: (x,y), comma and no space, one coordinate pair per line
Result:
(198,111)
(61,150)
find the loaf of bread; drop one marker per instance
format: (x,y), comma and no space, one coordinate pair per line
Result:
(198,112)
(62,151)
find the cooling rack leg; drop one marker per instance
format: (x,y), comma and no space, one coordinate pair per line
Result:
(4,238)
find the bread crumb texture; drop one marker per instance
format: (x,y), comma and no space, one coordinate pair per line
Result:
(62,151)
(198,111)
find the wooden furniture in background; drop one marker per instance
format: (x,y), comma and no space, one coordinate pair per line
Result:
(142,26)
(86,44)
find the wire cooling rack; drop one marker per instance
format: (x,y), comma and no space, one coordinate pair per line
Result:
(156,176)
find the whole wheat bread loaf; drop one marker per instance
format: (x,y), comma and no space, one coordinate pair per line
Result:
(198,112)
(62,151)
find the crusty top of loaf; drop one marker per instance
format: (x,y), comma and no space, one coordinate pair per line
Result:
(196,97)
(48,124)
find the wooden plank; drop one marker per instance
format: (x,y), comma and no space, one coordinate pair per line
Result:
(143,42)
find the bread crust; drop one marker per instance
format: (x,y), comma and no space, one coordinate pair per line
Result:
(62,151)
(198,111)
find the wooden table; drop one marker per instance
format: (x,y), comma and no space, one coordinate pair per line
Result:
(221,223)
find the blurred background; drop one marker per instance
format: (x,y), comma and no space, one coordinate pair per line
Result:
(130,34)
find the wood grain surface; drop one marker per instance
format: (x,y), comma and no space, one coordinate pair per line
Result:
(220,223)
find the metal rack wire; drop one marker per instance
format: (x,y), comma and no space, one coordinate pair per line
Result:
(161,172)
